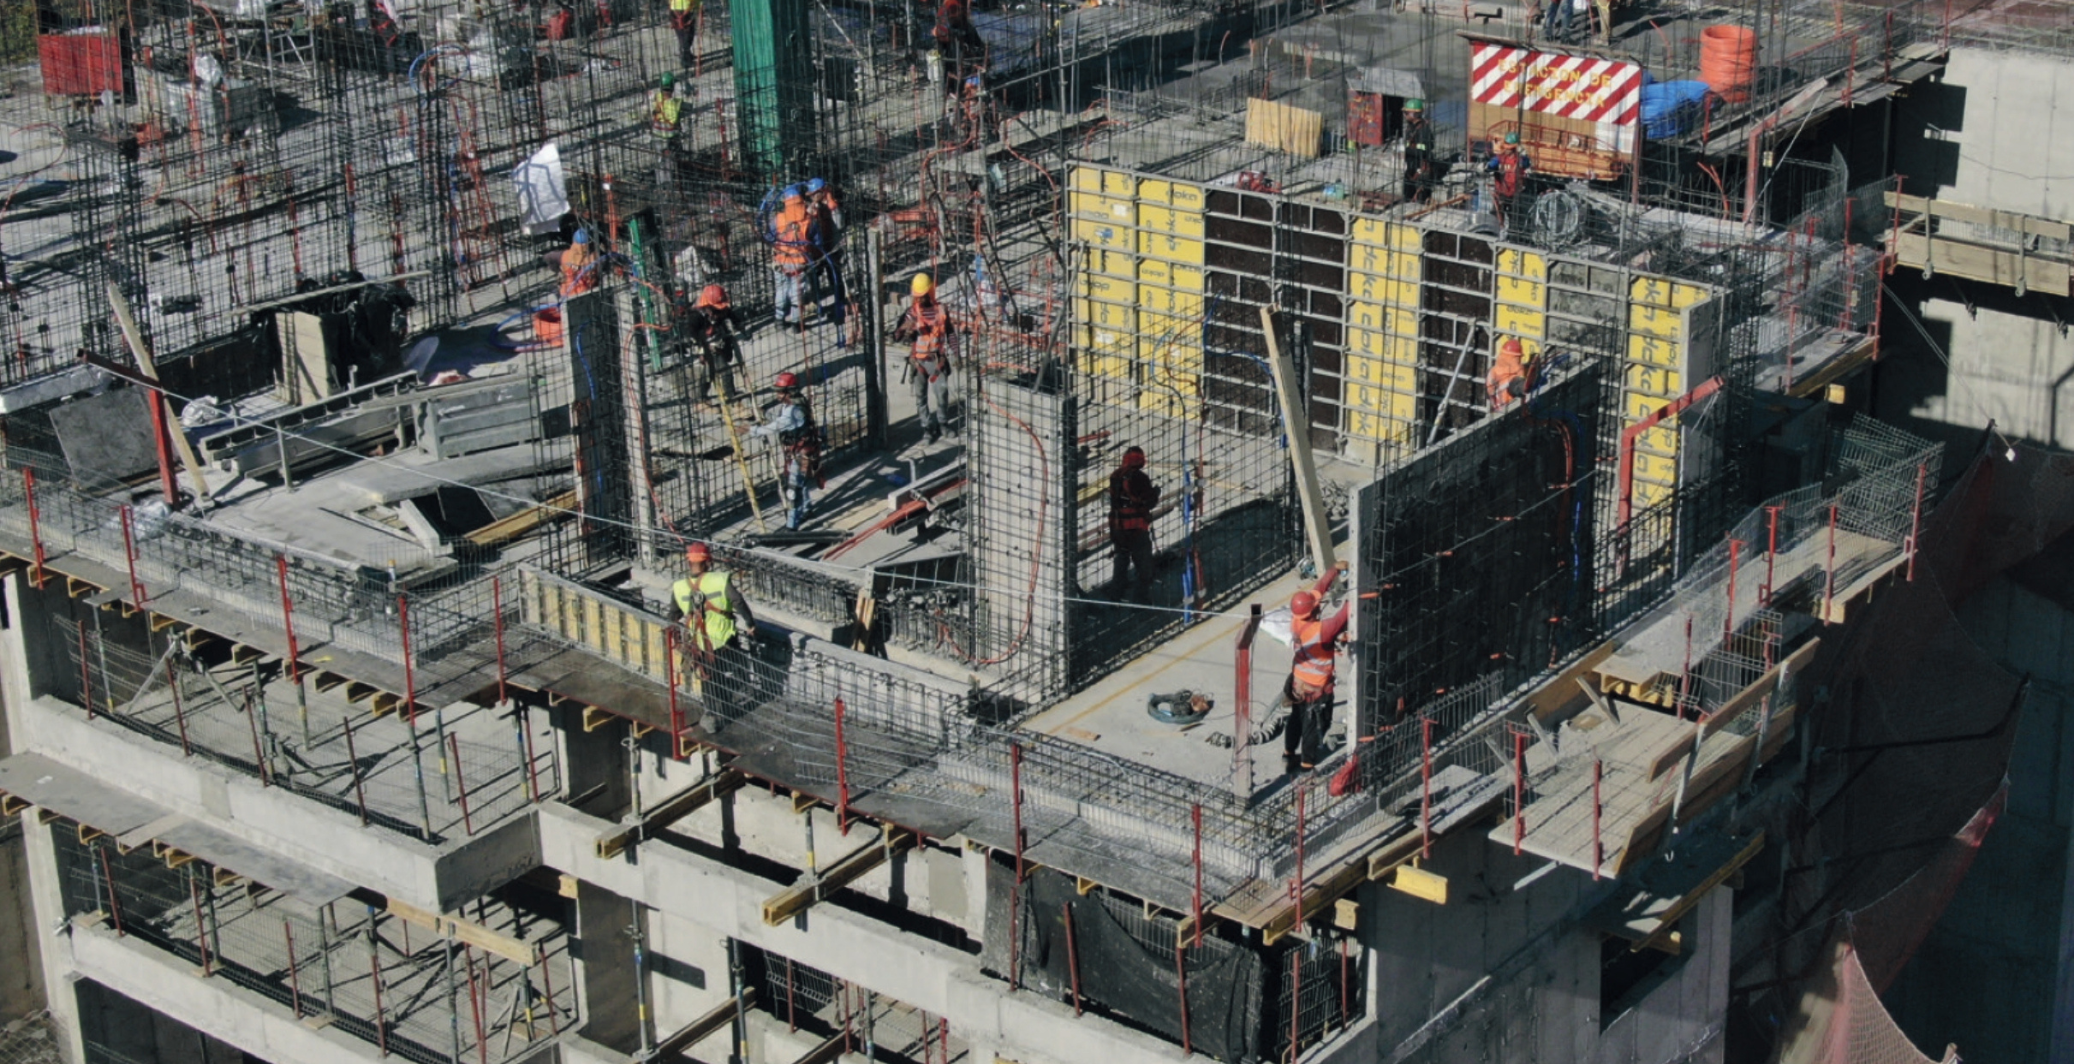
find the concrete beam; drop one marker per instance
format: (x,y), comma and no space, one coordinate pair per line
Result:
(930,976)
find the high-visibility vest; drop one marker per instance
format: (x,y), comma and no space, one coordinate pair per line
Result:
(1504,370)
(683,7)
(663,114)
(932,325)
(795,225)
(576,279)
(1313,663)
(1128,512)
(707,600)
(1511,167)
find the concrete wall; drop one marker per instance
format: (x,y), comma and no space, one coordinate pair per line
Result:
(1988,134)
(1996,975)
(1542,998)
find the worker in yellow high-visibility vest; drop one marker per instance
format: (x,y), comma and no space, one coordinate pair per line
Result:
(718,627)
(684,18)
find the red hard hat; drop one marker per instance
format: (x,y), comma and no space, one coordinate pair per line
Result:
(697,552)
(1134,457)
(787,381)
(713,296)
(1512,346)
(1303,602)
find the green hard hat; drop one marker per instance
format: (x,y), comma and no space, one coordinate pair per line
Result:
(667,81)
(1512,138)
(1414,104)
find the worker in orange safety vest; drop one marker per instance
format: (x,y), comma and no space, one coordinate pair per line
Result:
(579,265)
(1508,379)
(1308,691)
(794,241)
(1509,168)
(927,326)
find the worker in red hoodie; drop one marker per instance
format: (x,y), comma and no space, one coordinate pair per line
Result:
(1309,689)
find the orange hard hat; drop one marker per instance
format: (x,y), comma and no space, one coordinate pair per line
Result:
(1303,602)
(698,553)
(713,296)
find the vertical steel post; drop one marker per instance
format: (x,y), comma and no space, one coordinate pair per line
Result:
(497,613)
(1195,816)
(114,899)
(86,674)
(294,971)
(1915,518)
(35,525)
(1181,981)
(1242,722)
(482,1045)
(302,697)
(1598,810)
(1425,788)
(1829,569)
(842,772)
(353,760)
(1728,623)
(374,963)
(1015,886)
(201,934)
(129,553)
(547,988)
(1519,792)
(410,678)
(179,711)
(1771,552)
(1301,791)
(467,820)
(1073,954)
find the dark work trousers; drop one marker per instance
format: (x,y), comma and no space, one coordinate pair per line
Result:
(1309,720)
(1133,547)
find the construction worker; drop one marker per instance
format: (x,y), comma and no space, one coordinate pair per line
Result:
(579,265)
(1508,379)
(958,41)
(665,120)
(717,623)
(792,424)
(1419,172)
(1509,168)
(793,242)
(714,328)
(927,327)
(1132,495)
(828,233)
(684,18)
(1309,689)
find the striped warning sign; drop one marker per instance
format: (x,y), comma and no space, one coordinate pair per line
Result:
(1550,83)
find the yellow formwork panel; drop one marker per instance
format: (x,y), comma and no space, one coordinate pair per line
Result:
(1519,262)
(1379,289)
(1115,316)
(1403,265)
(1177,276)
(1664,292)
(1654,321)
(1187,197)
(1113,209)
(1101,234)
(1649,349)
(1521,293)
(1658,440)
(1655,469)
(1155,190)
(1401,321)
(1168,220)
(1639,406)
(1172,248)
(1085,178)
(1653,380)
(1104,287)
(1118,183)
(1648,495)
(1111,262)
(1362,335)
(1391,376)
(1376,232)
(1187,305)
(1169,328)
(1519,321)
(1382,428)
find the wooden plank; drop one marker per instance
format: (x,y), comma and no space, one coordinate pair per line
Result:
(503,945)
(1670,755)
(1561,690)
(707,1025)
(1284,128)
(1755,693)
(796,899)
(612,843)
(1966,212)
(506,529)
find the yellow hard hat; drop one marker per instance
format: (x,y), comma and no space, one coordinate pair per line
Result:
(922,285)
